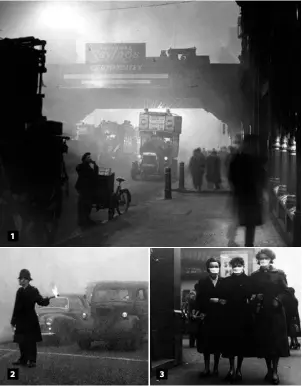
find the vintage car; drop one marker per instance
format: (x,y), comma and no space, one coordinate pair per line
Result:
(58,321)
(119,314)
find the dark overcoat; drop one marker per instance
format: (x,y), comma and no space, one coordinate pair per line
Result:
(87,179)
(247,177)
(238,319)
(25,319)
(270,336)
(192,323)
(213,165)
(209,336)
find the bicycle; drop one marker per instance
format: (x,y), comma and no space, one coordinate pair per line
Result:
(121,199)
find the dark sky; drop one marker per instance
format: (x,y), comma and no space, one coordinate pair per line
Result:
(204,24)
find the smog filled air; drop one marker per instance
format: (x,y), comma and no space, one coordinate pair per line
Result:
(68,269)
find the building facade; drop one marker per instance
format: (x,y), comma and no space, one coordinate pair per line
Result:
(270,60)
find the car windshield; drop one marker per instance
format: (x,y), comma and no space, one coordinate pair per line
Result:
(59,303)
(149,159)
(111,294)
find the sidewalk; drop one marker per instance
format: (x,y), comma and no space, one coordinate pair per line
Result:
(188,220)
(253,370)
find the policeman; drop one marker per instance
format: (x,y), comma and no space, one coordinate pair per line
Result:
(25,320)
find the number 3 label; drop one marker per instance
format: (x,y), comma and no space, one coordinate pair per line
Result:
(161,374)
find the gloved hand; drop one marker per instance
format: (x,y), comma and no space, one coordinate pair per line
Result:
(275,303)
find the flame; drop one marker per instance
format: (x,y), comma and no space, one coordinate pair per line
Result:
(55,291)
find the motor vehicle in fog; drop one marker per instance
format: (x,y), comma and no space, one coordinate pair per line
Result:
(119,315)
(58,321)
(159,134)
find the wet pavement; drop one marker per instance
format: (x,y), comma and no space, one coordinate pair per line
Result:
(69,365)
(188,220)
(253,371)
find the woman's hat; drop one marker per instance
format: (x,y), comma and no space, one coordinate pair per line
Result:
(24,274)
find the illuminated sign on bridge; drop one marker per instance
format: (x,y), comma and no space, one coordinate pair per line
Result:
(103,80)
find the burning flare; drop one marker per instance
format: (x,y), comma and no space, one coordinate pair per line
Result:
(55,291)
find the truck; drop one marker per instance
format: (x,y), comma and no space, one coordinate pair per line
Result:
(158,144)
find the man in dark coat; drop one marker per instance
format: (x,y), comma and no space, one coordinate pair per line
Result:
(86,186)
(247,178)
(270,299)
(25,320)
(210,309)
(197,168)
(238,321)
(213,165)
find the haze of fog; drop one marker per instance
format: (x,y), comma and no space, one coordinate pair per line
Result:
(203,24)
(199,128)
(209,26)
(70,269)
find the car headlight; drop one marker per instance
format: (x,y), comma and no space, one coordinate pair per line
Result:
(84,315)
(124,315)
(48,321)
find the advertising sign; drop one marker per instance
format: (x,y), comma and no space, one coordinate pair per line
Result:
(170,123)
(109,54)
(157,122)
(143,121)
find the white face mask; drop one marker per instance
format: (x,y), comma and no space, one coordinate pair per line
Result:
(237,270)
(214,270)
(264,262)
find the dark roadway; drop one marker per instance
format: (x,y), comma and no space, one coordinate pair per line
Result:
(70,235)
(69,365)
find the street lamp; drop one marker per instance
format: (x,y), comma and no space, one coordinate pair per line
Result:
(58,16)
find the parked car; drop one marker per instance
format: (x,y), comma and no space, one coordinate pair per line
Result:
(58,321)
(119,314)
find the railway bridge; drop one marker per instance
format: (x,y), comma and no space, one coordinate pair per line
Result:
(74,91)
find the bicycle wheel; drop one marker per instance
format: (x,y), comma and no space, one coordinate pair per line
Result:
(124,199)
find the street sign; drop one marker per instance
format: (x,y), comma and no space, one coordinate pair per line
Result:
(115,53)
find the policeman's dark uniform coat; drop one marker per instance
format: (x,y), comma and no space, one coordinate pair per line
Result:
(270,330)
(238,320)
(26,323)
(209,336)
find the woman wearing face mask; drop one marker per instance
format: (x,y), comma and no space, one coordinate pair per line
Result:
(237,318)
(210,307)
(269,301)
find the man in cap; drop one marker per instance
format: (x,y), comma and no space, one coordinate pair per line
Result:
(86,186)
(25,320)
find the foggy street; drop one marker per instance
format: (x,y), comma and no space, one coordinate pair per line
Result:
(189,219)
(96,297)
(141,192)
(71,365)
(183,90)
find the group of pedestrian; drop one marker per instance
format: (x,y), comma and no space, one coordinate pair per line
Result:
(258,314)
(209,165)
(245,170)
